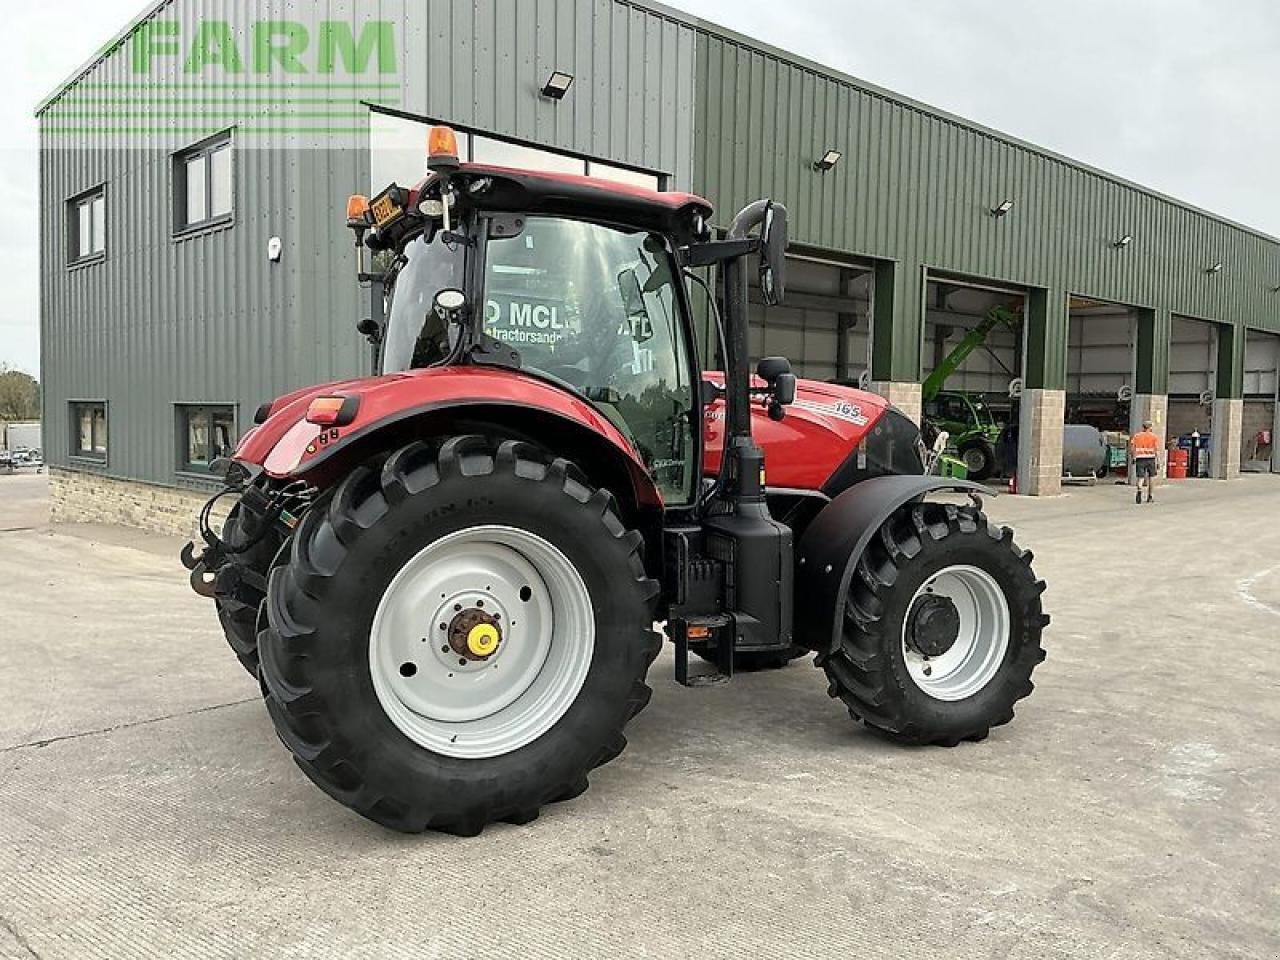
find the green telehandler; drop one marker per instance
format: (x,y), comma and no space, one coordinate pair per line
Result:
(964,416)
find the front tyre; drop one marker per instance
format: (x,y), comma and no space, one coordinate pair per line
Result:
(979,458)
(942,628)
(459,638)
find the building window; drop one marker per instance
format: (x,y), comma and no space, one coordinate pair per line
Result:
(205,433)
(87,226)
(89,430)
(203,184)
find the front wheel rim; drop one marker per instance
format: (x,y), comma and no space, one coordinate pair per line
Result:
(441,698)
(982,638)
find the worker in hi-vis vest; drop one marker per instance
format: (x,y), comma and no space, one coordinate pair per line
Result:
(1145,447)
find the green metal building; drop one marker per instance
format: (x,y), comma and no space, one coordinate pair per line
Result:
(195,260)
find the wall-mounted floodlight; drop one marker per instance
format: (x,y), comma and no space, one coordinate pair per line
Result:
(1123,241)
(1216,268)
(828,160)
(1001,210)
(557,85)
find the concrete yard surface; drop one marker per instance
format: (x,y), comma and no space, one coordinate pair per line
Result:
(1129,811)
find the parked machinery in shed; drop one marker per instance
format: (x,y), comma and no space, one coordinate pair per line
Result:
(965,417)
(447,577)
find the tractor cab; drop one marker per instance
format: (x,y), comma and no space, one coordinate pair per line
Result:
(597,308)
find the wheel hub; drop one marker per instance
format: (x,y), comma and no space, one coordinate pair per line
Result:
(475,634)
(956,632)
(933,625)
(481,641)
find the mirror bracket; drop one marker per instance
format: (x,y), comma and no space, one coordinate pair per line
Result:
(716,251)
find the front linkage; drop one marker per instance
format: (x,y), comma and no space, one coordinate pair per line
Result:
(232,568)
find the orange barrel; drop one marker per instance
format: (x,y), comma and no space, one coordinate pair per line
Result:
(1180,456)
(1177,471)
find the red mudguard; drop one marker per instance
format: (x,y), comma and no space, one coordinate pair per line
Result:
(287,445)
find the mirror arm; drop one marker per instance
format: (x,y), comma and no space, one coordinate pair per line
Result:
(716,251)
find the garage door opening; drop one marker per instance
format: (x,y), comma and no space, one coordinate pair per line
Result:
(822,326)
(1101,371)
(1258,453)
(1193,374)
(973,362)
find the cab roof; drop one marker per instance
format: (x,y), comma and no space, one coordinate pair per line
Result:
(562,194)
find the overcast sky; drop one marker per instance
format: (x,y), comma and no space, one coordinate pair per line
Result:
(1180,95)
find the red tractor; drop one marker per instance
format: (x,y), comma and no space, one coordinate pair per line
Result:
(449,578)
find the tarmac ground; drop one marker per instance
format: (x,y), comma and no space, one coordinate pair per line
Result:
(1131,809)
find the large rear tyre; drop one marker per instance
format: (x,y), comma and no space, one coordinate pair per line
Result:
(459,637)
(240,585)
(942,628)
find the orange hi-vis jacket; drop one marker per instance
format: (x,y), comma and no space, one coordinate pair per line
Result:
(1145,444)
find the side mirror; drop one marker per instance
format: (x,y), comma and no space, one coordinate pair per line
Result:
(770,368)
(784,389)
(773,250)
(633,302)
(776,372)
(784,394)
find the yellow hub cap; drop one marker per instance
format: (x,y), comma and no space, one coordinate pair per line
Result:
(482,639)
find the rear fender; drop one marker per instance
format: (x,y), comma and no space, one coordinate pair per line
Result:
(830,548)
(601,459)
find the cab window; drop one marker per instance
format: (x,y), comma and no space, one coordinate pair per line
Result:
(595,308)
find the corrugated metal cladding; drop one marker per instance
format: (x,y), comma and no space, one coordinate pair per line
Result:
(917,187)
(481,63)
(207,318)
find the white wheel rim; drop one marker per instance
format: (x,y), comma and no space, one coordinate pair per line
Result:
(472,709)
(981,641)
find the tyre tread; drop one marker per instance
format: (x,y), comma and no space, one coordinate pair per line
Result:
(859,670)
(299,713)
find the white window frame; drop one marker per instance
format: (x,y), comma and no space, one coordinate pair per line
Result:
(93,205)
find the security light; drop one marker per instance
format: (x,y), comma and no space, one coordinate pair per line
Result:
(1123,241)
(829,160)
(557,85)
(1001,210)
(1216,268)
